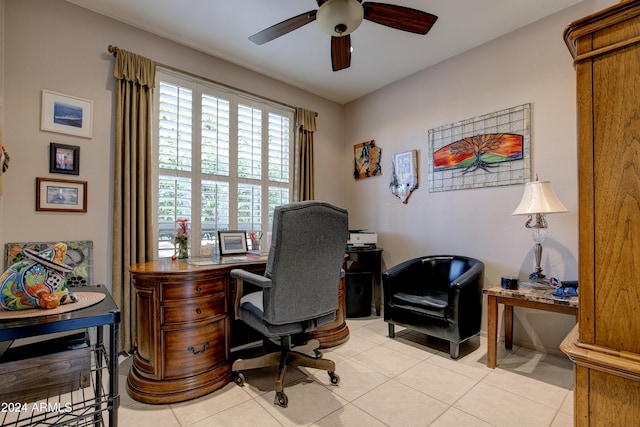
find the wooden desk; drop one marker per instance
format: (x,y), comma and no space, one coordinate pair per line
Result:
(184,327)
(523,297)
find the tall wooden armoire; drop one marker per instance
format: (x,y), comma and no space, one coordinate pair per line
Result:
(605,345)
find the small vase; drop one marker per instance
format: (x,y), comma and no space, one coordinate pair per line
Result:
(183,249)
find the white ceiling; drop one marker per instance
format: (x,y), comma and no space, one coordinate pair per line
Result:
(302,58)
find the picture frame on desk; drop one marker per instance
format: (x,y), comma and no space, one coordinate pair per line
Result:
(232,242)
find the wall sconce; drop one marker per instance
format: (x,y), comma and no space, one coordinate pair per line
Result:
(538,200)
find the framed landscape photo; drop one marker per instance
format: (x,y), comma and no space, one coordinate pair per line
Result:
(64,159)
(232,242)
(61,195)
(66,114)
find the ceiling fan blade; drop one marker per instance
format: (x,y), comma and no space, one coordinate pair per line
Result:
(341,52)
(283,27)
(399,17)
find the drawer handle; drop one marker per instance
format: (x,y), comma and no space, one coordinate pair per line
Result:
(198,311)
(193,350)
(198,289)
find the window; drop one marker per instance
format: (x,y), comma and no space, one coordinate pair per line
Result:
(223,161)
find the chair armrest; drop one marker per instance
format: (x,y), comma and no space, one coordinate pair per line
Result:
(402,269)
(241,276)
(253,278)
(400,277)
(469,277)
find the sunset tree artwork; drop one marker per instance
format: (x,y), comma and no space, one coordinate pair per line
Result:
(479,152)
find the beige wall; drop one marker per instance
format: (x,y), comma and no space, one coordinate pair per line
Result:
(531,65)
(51,44)
(55,45)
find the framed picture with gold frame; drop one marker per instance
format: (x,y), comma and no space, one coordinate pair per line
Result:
(61,195)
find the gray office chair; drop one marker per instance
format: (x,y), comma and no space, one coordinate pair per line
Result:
(299,287)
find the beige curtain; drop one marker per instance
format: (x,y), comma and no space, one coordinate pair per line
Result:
(303,180)
(132,204)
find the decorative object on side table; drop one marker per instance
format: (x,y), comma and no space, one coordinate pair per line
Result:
(538,200)
(182,238)
(37,281)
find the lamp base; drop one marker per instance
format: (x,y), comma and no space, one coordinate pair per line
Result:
(538,277)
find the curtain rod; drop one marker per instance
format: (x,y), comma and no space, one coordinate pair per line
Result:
(114,50)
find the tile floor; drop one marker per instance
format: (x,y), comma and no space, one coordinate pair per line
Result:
(407,381)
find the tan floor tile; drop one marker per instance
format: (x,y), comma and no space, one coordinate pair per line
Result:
(355,380)
(247,414)
(456,418)
(442,384)
(203,407)
(502,408)
(386,361)
(530,388)
(354,346)
(349,415)
(396,404)
(308,403)
(141,415)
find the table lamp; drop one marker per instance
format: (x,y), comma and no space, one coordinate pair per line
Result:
(538,199)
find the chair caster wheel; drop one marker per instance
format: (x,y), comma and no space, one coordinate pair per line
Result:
(238,378)
(317,353)
(335,379)
(281,399)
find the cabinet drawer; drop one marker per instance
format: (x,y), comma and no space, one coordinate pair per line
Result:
(203,309)
(191,351)
(188,289)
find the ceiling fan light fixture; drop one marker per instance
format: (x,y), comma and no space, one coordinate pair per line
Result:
(340,17)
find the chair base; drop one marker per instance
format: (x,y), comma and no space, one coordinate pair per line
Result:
(454,348)
(283,358)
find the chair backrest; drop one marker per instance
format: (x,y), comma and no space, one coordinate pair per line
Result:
(439,271)
(308,243)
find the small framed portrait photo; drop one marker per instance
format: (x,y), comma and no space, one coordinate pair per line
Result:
(64,159)
(232,242)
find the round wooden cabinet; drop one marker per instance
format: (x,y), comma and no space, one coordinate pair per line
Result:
(184,326)
(183,330)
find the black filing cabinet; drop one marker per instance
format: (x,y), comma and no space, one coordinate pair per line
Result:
(363,281)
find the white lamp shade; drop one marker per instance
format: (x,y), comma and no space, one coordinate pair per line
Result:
(334,14)
(538,197)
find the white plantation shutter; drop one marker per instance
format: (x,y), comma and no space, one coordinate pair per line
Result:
(223,160)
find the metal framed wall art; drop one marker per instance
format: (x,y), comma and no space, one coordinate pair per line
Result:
(485,151)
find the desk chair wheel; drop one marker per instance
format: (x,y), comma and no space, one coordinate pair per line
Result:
(281,399)
(335,379)
(238,378)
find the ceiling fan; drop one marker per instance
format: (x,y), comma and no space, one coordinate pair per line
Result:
(339,18)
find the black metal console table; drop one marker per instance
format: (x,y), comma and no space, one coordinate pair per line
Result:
(87,406)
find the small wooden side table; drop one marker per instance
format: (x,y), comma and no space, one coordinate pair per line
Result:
(538,299)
